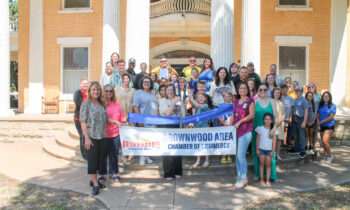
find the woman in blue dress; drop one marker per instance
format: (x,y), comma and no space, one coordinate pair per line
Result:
(208,73)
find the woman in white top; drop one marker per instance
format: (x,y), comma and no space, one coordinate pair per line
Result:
(222,83)
(106,75)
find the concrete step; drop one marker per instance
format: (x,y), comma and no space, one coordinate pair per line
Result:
(73,133)
(51,147)
(63,139)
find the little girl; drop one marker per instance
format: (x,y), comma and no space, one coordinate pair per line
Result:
(154,79)
(266,147)
(201,106)
(225,121)
(311,124)
(161,93)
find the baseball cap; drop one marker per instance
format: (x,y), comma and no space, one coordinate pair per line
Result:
(132,60)
(298,88)
(250,64)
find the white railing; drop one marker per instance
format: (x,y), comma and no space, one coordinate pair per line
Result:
(164,7)
(13,26)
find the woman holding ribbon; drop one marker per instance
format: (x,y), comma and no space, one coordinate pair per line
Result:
(171,107)
(243,115)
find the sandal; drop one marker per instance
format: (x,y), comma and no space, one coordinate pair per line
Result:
(223,160)
(268,184)
(262,182)
(101,179)
(228,160)
(195,165)
(205,165)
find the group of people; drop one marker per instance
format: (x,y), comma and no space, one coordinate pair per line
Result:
(266,113)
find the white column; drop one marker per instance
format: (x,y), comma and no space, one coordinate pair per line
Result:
(338,54)
(111,29)
(250,50)
(4,60)
(36,57)
(222,36)
(137,31)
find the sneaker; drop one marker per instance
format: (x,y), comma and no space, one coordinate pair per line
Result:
(323,160)
(329,159)
(307,152)
(142,161)
(312,152)
(237,184)
(278,157)
(101,179)
(241,183)
(223,160)
(229,160)
(293,151)
(149,160)
(169,178)
(178,176)
(301,155)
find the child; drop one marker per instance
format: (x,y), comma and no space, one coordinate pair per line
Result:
(266,147)
(201,106)
(279,118)
(194,80)
(311,124)
(202,86)
(299,120)
(161,93)
(154,79)
(225,121)
(288,104)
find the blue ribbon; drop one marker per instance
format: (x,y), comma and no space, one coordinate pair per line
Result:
(161,120)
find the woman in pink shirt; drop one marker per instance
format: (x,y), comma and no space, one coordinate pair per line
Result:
(243,115)
(114,112)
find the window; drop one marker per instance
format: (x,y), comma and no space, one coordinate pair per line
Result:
(293,2)
(75,66)
(293,62)
(69,4)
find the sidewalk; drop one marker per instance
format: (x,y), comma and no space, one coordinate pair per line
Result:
(28,163)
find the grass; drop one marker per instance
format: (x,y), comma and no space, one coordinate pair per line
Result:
(336,197)
(17,195)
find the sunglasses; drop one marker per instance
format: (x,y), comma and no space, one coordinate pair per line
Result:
(109,91)
(263,90)
(311,87)
(192,60)
(163,61)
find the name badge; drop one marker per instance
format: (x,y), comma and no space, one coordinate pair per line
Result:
(244,105)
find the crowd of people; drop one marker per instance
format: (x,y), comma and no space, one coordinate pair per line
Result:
(267,114)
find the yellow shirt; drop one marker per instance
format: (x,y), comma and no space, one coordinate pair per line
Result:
(188,71)
(291,93)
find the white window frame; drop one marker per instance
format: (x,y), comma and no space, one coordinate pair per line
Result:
(293,7)
(76,10)
(294,41)
(67,42)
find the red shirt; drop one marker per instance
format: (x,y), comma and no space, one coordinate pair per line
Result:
(240,111)
(114,112)
(84,95)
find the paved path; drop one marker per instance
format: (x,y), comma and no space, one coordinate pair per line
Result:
(28,163)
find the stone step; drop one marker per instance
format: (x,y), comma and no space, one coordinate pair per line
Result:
(63,139)
(73,133)
(51,147)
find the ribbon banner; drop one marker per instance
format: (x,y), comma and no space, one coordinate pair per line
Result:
(178,142)
(161,120)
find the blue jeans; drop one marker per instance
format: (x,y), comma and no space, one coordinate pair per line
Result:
(241,150)
(112,154)
(299,134)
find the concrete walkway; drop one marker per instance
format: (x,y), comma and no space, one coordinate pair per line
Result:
(28,163)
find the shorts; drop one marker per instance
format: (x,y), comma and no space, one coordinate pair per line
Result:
(323,128)
(312,126)
(264,152)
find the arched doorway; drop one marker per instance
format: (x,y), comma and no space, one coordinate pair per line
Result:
(178,53)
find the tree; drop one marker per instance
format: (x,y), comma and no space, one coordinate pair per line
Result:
(13,6)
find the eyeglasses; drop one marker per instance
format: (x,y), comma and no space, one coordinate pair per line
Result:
(146,82)
(263,89)
(192,60)
(311,87)
(109,91)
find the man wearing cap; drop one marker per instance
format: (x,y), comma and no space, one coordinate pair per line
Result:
(278,79)
(253,75)
(188,69)
(130,70)
(299,120)
(164,71)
